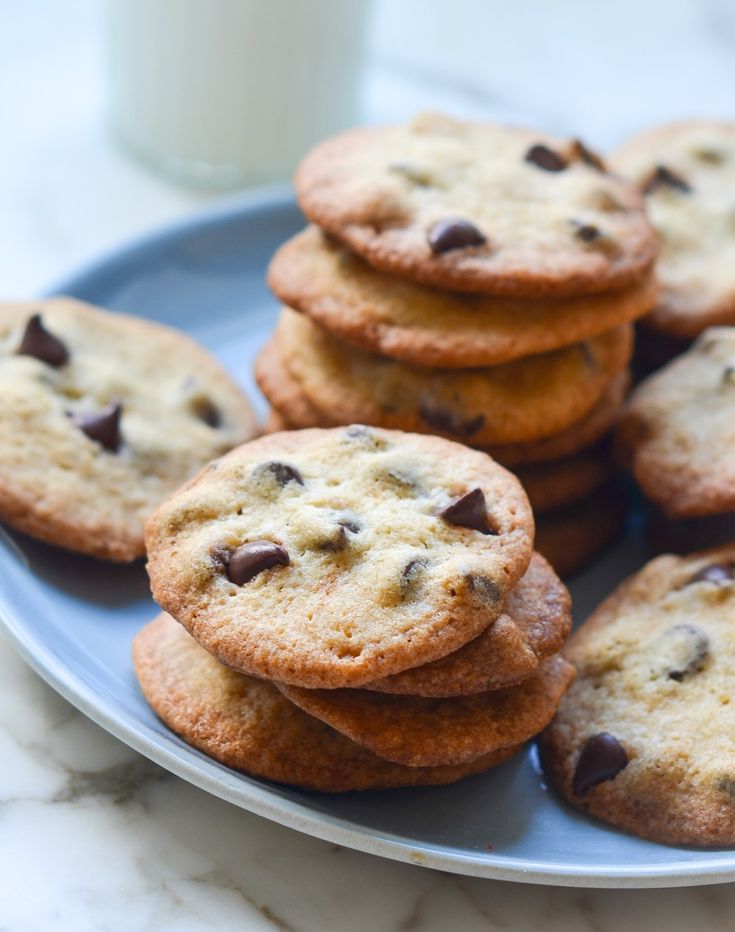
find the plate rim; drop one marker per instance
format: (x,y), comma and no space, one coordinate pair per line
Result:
(261,800)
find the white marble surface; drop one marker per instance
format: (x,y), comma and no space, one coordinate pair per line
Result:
(94,837)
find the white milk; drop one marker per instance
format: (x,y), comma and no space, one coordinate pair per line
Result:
(231,92)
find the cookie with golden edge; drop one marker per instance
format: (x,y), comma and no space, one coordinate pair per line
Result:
(422,732)
(534,624)
(518,401)
(297,412)
(102,416)
(247,724)
(678,430)
(399,318)
(337,557)
(478,207)
(574,535)
(687,174)
(553,485)
(643,738)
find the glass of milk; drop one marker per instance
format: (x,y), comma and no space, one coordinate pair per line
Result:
(225,93)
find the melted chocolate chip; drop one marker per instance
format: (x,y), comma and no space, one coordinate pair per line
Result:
(468,511)
(448,421)
(718,573)
(587,232)
(281,472)
(454,233)
(485,588)
(683,650)
(252,558)
(411,571)
(39,343)
(102,426)
(336,542)
(602,758)
(583,154)
(351,525)
(207,411)
(545,158)
(663,177)
(220,557)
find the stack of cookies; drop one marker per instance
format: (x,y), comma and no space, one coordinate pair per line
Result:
(354,608)
(472,281)
(687,173)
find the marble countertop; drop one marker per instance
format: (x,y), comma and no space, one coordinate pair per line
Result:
(93,836)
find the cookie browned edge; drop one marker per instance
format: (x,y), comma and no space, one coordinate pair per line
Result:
(302,750)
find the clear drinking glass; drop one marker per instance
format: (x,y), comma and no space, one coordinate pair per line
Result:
(225,93)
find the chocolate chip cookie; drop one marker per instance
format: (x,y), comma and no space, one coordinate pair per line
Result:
(102,416)
(440,732)
(516,402)
(643,738)
(399,318)
(247,724)
(534,624)
(686,172)
(479,207)
(678,429)
(337,557)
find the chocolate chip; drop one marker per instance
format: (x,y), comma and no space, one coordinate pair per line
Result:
(583,154)
(449,422)
(485,588)
(602,758)
(281,472)
(663,177)
(587,232)
(254,557)
(545,158)
(709,155)
(220,557)
(728,375)
(718,573)
(102,426)
(454,233)
(39,343)
(411,571)
(351,525)
(336,542)
(468,511)
(682,650)
(206,411)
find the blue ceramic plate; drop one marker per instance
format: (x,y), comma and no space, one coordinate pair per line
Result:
(73,618)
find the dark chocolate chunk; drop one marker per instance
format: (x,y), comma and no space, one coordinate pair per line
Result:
(449,422)
(254,557)
(587,232)
(454,233)
(663,177)
(602,758)
(39,343)
(545,158)
(281,472)
(468,511)
(583,154)
(718,573)
(102,426)
(683,650)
